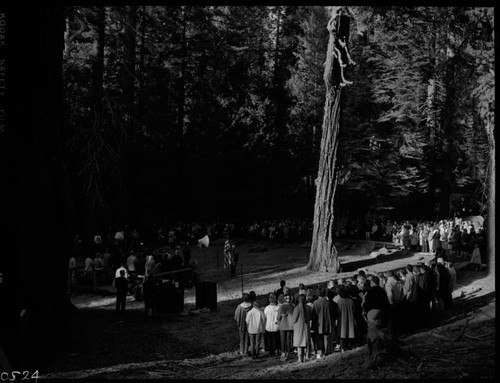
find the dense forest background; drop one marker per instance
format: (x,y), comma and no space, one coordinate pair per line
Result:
(146,114)
(214,112)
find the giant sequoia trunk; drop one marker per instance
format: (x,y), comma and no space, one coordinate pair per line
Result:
(324,255)
(490,224)
(37,214)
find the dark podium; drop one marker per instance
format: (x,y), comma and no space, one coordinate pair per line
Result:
(170,298)
(206,295)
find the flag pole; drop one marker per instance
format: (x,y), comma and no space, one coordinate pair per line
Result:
(241,272)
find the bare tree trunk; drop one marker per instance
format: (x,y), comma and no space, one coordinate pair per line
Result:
(490,223)
(324,255)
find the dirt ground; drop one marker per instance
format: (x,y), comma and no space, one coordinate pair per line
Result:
(459,344)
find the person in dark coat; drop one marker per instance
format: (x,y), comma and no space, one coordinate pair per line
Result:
(121,285)
(332,337)
(285,312)
(444,283)
(239,316)
(376,298)
(300,319)
(322,321)
(149,287)
(361,324)
(280,290)
(425,285)
(186,253)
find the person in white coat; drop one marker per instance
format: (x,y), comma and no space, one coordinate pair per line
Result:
(272,335)
(256,326)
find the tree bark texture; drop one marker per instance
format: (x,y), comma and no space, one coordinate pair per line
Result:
(324,255)
(490,224)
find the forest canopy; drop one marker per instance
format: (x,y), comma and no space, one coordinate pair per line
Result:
(214,112)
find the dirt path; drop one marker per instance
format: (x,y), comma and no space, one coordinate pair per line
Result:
(461,344)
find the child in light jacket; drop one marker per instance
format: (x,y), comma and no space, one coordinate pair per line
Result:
(256,325)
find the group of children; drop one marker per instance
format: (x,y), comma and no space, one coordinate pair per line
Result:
(318,321)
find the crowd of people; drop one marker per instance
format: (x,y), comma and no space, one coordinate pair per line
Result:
(124,261)
(418,235)
(349,312)
(124,249)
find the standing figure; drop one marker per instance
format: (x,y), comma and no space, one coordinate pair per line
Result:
(149,287)
(409,312)
(239,316)
(280,290)
(72,272)
(310,298)
(272,334)
(234,259)
(424,295)
(453,282)
(132,262)
(406,238)
(256,325)
(322,321)
(121,285)
(346,318)
(186,254)
(475,258)
(300,319)
(395,295)
(286,330)
(97,242)
(149,266)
